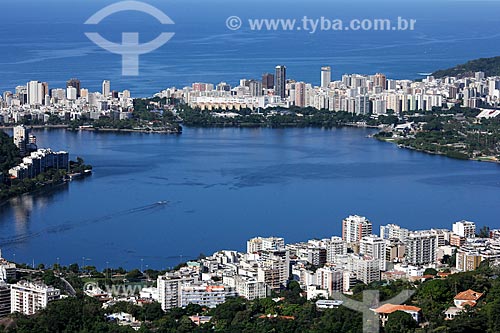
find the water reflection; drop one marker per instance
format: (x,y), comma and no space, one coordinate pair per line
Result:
(19,209)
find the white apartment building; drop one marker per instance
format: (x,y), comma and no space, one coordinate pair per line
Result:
(465,229)
(259,244)
(330,279)
(250,288)
(335,246)
(393,231)
(421,248)
(355,227)
(28,298)
(274,268)
(374,247)
(365,269)
(170,287)
(205,295)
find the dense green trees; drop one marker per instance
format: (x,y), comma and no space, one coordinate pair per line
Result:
(400,322)
(9,154)
(490,66)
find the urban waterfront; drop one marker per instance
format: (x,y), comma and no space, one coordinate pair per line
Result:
(224,186)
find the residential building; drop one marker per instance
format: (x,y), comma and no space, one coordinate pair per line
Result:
(393,231)
(355,227)
(250,288)
(335,246)
(465,229)
(268,81)
(75,83)
(205,295)
(460,301)
(385,310)
(466,261)
(280,81)
(421,248)
(259,244)
(326,76)
(106,88)
(366,269)
(29,297)
(374,247)
(4,299)
(170,288)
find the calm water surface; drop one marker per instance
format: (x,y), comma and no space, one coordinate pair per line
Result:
(224,186)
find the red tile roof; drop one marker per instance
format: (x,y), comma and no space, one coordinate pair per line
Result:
(468,295)
(390,308)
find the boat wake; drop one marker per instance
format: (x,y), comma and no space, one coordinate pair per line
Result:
(69,226)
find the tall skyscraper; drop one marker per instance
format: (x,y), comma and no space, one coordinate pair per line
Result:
(300,94)
(106,88)
(75,83)
(35,92)
(355,227)
(280,81)
(380,80)
(21,136)
(326,76)
(255,88)
(268,81)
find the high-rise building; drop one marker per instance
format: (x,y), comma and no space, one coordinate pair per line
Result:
(274,268)
(280,81)
(330,279)
(205,295)
(170,288)
(7,270)
(268,81)
(334,247)
(326,76)
(35,92)
(366,269)
(250,288)
(4,299)
(393,231)
(75,83)
(355,227)
(45,93)
(465,229)
(21,136)
(28,297)
(374,247)
(255,88)
(71,93)
(421,248)
(300,94)
(106,88)
(259,244)
(380,80)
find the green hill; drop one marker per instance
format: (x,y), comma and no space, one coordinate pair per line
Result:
(490,66)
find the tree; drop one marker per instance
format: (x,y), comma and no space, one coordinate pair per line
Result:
(484,232)
(430,271)
(400,322)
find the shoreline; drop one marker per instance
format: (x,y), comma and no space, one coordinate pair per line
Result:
(476,159)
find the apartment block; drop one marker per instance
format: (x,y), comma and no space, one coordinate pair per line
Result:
(28,298)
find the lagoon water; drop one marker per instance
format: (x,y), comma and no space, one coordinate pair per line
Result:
(224,186)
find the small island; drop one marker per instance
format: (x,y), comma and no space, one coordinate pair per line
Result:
(24,168)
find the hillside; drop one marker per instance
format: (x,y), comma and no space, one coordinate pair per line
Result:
(490,66)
